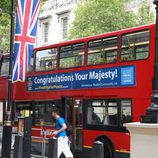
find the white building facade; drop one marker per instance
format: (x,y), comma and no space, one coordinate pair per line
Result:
(54,21)
(56,17)
(135,4)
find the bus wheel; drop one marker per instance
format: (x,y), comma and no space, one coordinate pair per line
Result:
(109,151)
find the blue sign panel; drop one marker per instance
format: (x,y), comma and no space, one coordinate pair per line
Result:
(96,78)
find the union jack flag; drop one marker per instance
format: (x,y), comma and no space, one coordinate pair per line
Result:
(26,26)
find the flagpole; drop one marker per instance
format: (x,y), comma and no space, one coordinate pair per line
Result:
(7,127)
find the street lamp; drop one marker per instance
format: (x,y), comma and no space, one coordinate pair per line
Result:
(155,87)
(7,127)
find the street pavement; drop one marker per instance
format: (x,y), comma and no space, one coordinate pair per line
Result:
(36,148)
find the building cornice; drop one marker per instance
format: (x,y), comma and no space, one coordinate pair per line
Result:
(55,4)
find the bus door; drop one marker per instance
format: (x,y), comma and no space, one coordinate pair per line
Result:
(73,115)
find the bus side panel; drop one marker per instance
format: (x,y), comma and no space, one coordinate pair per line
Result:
(88,151)
(119,145)
(3,88)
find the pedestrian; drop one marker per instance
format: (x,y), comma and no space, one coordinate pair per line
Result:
(60,133)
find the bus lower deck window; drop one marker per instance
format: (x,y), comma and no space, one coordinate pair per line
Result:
(102,112)
(126,115)
(43,113)
(107,112)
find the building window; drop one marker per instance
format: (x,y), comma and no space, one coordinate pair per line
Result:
(63,20)
(46,32)
(64,23)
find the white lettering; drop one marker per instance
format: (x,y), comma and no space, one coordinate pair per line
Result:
(93,75)
(79,77)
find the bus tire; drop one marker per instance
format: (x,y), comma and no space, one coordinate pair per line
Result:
(109,151)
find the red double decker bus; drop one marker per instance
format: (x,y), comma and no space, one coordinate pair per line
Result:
(98,83)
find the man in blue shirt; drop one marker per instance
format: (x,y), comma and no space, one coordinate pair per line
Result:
(60,132)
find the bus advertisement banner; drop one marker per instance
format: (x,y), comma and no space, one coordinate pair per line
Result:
(95,78)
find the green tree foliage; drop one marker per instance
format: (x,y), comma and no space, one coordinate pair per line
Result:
(5,9)
(4,32)
(145,16)
(5,5)
(100,16)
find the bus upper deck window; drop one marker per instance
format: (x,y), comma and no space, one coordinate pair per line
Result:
(135,46)
(72,55)
(5,67)
(46,59)
(102,51)
(31,64)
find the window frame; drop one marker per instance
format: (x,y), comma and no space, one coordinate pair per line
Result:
(24,107)
(64,34)
(44,32)
(1,65)
(108,106)
(43,101)
(31,67)
(31,109)
(118,128)
(103,63)
(84,55)
(35,67)
(120,108)
(133,32)
(61,16)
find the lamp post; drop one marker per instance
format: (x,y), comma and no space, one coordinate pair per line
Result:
(155,86)
(152,111)
(7,127)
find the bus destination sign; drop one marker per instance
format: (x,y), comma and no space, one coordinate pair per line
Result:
(95,78)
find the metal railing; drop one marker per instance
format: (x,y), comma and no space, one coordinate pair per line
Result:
(40,144)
